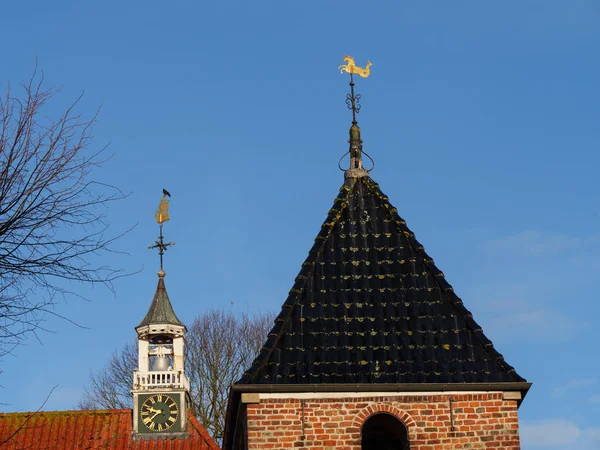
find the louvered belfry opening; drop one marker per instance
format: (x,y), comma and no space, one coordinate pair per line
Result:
(384,432)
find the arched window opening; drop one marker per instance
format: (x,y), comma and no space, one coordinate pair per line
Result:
(384,432)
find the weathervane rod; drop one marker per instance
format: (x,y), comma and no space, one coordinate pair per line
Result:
(353,102)
(162,215)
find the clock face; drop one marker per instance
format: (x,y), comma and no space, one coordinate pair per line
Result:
(159,412)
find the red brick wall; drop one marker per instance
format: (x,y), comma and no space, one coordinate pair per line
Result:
(481,421)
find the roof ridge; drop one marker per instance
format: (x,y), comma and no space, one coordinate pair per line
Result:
(440,278)
(333,216)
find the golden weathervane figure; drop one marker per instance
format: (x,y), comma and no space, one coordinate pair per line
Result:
(162,212)
(351,67)
(162,215)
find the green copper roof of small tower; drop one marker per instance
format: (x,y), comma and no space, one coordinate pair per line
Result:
(161,310)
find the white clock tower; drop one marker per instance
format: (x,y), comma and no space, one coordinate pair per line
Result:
(160,387)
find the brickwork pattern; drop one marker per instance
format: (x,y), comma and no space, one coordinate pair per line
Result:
(481,421)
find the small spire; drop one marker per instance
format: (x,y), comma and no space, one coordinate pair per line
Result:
(161,310)
(162,215)
(356,169)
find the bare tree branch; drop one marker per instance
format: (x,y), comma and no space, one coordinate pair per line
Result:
(52,224)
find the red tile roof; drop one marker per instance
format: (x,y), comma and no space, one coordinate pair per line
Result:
(102,429)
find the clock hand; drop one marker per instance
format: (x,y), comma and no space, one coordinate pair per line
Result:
(155,411)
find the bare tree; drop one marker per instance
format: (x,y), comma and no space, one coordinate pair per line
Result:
(110,388)
(51,221)
(219,346)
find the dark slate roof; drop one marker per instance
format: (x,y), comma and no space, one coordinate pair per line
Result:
(370,306)
(161,310)
(102,429)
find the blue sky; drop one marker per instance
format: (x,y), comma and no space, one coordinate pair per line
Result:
(482,119)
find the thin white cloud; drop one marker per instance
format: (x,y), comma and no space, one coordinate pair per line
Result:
(537,243)
(552,433)
(574,385)
(558,434)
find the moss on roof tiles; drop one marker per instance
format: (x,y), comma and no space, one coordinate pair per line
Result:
(370,306)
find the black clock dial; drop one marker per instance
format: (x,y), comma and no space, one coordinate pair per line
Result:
(159,412)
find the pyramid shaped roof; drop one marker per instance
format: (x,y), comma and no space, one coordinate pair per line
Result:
(160,311)
(370,306)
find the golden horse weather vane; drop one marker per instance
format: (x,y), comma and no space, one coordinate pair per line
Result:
(351,67)
(353,103)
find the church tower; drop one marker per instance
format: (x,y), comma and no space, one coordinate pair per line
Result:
(373,349)
(160,387)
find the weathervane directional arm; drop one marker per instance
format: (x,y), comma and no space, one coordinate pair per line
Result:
(162,246)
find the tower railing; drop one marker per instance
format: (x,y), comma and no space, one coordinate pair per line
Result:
(160,379)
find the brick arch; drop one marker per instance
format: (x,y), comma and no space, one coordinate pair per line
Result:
(383,408)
